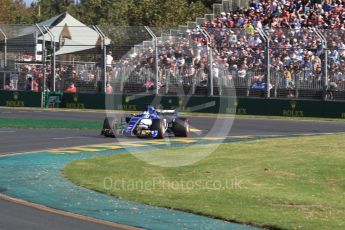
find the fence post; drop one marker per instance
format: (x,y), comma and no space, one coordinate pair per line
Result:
(43,65)
(268,69)
(297,84)
(325,49)
(277,79)
(5,48)
(104,57)
(155,40)
(268,62)
(52,39)
(326,81)
(209,47)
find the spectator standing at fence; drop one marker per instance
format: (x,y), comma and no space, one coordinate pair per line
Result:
(71,89)
(9,86)
(109,89)
(109,60)
(35,87)
(150,84)
(59,85)
(331,89)
(288,77)
(242,72)
(28,86)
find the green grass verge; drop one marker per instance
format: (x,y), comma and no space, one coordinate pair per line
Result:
(287,183)
(48,124)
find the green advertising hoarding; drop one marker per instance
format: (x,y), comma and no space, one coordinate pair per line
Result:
(199,104)
(20,99)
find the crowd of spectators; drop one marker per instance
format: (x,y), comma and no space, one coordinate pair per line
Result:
(296,31)
(29,77)
(288,14)
(297,50)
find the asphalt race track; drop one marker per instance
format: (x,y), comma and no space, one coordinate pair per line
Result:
(27,140)
(16,216)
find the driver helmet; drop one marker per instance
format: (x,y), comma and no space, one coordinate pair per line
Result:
(151,110)
(146,114)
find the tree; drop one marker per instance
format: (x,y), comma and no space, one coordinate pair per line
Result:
(144,12)
(45,9)
(100,12)
(61,6)
(165,14)
(155,13)
(207,3)
(14,12)
(42,10)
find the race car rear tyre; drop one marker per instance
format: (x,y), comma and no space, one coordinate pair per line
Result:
(158,125)
(181,127)
(109,127)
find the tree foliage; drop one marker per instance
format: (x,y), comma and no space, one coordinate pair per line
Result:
(155,13)
(207,3)
(14,12)
(45,9)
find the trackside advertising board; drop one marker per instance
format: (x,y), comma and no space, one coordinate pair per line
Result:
(199,104)
(20,99)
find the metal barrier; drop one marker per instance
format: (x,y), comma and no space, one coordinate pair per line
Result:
(84,75)
(334,41)
(296,57)
(282,63)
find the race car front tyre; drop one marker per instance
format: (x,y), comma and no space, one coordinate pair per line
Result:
(109,127)
(181,127)
(158,125)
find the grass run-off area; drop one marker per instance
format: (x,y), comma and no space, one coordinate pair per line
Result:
(48,123)
(287,183)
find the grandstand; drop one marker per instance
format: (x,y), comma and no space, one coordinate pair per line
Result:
(269,49)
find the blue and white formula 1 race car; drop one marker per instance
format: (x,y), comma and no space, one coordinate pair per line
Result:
(151,123)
